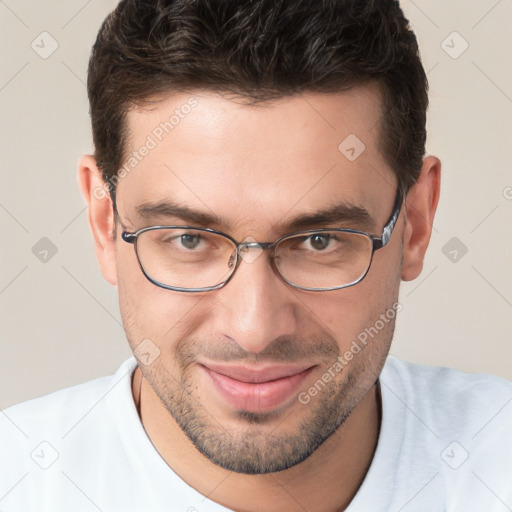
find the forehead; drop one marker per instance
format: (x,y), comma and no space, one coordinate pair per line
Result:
(255,164)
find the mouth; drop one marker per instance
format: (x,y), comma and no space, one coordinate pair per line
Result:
(256,389)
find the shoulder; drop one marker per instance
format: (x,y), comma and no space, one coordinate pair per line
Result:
(446,384)
(53,416)
(61,407)
(454,423)
(448,397)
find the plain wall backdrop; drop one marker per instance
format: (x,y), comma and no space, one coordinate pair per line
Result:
(60,322)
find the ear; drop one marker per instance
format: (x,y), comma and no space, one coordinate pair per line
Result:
(100,214)
(421,204)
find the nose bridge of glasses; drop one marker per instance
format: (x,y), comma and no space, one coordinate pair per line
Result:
(242,250)
(245,245)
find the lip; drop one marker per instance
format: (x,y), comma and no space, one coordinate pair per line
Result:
(256,389)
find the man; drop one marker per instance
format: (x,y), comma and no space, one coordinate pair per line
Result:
(258,191)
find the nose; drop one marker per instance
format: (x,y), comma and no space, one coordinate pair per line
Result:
(256,306)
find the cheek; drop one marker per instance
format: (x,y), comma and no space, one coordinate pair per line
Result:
(355,313)
(150,312)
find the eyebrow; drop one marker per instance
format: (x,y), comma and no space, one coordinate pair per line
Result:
(149,211)
(350,215)
(346,213)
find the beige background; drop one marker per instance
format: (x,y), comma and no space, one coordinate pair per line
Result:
(60,322)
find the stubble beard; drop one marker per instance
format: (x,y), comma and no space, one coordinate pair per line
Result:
(259,446)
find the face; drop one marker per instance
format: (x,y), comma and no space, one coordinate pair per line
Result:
(236,366)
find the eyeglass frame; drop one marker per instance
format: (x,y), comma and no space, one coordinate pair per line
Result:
(377,242)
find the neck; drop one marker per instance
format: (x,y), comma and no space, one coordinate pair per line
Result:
(326,481)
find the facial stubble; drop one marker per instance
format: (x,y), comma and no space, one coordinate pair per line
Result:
(259,445)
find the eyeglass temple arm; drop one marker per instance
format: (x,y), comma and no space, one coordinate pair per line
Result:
(381,241)
(129,237)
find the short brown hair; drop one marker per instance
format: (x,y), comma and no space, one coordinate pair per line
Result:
(258,50)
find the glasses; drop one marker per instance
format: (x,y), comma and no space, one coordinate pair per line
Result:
(193,259)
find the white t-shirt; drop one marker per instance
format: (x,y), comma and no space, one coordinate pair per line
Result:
(445,445)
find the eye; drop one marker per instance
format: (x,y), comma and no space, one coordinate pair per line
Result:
(319,241)
(190,241)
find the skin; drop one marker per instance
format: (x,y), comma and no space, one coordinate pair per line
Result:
(256,168)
